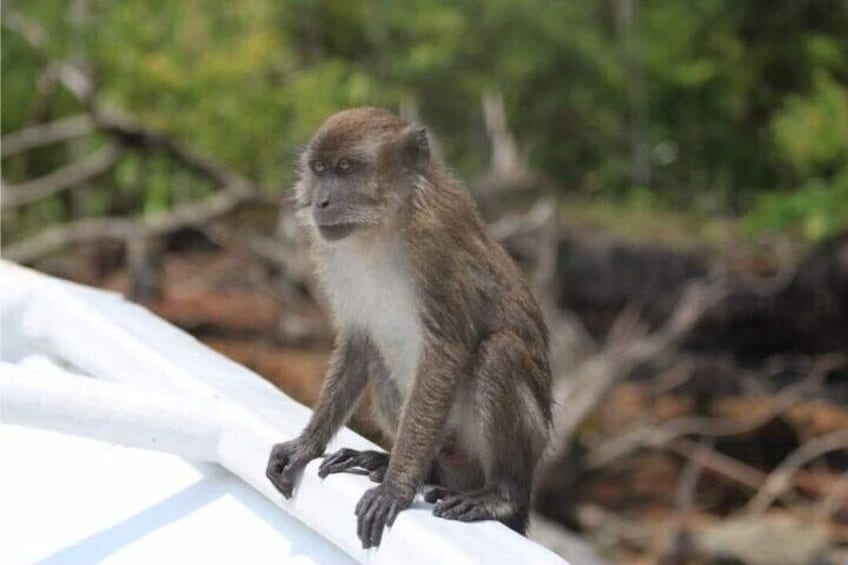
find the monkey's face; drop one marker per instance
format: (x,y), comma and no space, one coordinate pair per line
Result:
(343,193)
(357,172)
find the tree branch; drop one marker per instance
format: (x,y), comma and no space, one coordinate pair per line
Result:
(61,179)
(781,478)
(51,239)
(717,462)
(656,435)
(93,229)
(132,134)
(627,347)
(44,134)
(30,30)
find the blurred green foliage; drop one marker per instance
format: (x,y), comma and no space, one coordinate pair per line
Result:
(745,103)
(814,211)
(811,133)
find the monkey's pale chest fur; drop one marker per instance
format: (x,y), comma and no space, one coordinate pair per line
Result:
(370,289)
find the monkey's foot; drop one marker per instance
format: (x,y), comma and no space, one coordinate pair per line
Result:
(377,509)
(485,504)
(345,460)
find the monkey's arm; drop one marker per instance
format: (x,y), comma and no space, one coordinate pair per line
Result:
(342,389)
(420,429)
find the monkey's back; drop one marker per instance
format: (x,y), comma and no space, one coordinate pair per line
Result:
(469,286)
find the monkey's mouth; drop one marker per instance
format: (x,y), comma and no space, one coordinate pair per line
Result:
(336,232)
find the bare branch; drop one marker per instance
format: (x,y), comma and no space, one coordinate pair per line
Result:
(506,162)
(80,84)
(684,495)
(781,478)
(269,250)
(837,497)
(718,462)
(656,435)
(29,29)
(578,395)
(185,215)
(679,542)
(514,225)
(197,213)
(133,134)
(44,134)
(73,78)
(36,36)
(61,179)
(51,239)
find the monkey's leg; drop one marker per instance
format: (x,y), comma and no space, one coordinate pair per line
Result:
(342,388)
(505,378)
(373,463)
(385,404)
(421,426)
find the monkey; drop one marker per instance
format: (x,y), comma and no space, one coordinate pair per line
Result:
(431,311)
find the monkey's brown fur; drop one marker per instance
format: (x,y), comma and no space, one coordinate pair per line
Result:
(431,310)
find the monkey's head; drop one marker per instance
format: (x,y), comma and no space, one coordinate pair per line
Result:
(359,171)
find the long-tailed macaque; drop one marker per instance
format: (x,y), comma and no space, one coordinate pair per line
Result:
(431,310)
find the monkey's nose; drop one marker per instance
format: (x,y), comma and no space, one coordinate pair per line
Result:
(324,203)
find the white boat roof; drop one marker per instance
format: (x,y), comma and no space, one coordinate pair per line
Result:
(125,440)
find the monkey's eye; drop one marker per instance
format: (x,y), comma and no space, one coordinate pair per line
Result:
(344,165)
(318,166)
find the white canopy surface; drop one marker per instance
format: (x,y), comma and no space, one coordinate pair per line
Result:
(125,440)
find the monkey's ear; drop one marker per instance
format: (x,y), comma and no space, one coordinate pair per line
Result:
(416,149)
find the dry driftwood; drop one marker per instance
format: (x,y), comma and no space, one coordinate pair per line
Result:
(628,346)
(781,478)
(508,169)
(651,435)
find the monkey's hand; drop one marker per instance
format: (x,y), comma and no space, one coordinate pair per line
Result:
(345,460)
(286,463)
(378,508)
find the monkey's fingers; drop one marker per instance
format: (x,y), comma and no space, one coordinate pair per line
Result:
(284,481)
(348,460)
(277,463)
(447,503)
(283,475)
(452,508)
(474,506)
(437,493)
(362,509)
(373,523)
(386,510)
(277,460)
(380,522)
(377,508)
(394,510)
(365,513)
(468,511)
(340,461)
